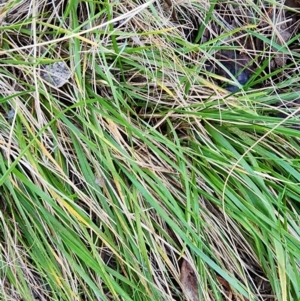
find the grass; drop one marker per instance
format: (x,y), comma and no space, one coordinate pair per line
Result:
(143,159)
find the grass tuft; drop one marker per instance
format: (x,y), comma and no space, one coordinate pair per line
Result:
(152,150)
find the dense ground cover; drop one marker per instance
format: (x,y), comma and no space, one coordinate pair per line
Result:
(149,150)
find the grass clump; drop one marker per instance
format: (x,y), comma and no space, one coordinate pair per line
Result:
(142,149)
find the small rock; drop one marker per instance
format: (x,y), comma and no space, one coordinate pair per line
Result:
(10,114)
(56,74)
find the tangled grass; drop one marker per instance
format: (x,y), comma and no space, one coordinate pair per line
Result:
(140,158)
